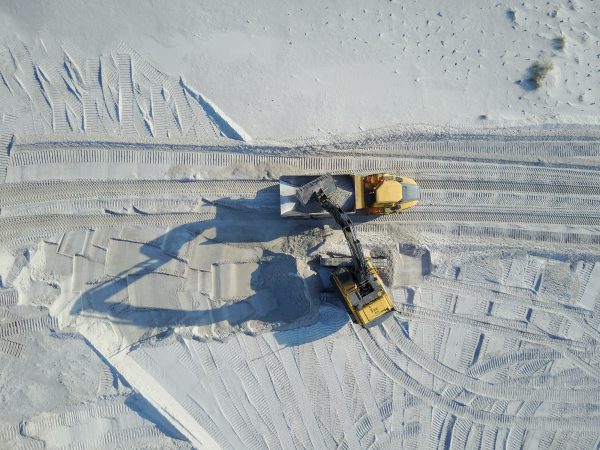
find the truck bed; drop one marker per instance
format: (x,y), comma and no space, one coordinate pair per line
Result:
(291,207)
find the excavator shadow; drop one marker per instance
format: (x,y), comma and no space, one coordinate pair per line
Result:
(247,283)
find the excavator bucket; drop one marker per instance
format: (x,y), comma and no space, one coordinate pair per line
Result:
(324,184)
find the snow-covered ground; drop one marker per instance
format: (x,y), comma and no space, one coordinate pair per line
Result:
(151,296)
(284,69)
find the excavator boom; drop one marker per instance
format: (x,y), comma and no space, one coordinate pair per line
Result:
(343,220)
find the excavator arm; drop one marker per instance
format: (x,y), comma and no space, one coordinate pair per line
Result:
(361,269)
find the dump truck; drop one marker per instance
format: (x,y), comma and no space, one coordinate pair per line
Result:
(364,294)
(380,193)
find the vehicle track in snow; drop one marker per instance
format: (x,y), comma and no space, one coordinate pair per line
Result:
(436,191)
(539,217)
(490,234)
(49,156)
(527,150)
(99,206)
(501,186)
(27,326)
(8,433)
(531,301)
(9,297)
(46,191)
(481,387)
(489,325)
(20,228)
(113,409)
(472,413)
(11,348)
(511,201)
(532,150)
(181,196)
(570,349)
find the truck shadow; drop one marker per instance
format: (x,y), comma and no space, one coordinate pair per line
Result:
(275,298)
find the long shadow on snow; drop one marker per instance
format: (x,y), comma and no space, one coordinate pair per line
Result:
(235,223)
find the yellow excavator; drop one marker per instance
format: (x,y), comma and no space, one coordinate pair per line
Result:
(365,296)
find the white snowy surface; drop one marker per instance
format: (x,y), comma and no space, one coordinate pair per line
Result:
(152,297)
(284,69)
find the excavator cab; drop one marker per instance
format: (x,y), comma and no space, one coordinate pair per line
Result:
(367,302)
(361,287)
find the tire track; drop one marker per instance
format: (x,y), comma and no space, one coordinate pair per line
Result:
(46,153)
(313,378)
(274,365)
(460,434)
(108,79)
(91,121)
(553,218)
(495,362)
(6,143)
(584,274)
(28,326)
(576,148)
(158,111)
(114,439)
(208,433)
(494,200)
(483,388)
(489,234)
(11,348)
(60,122)
(516,436)
(9,433)
(521,150)
(126,95)
(111,409)
(235,415)
(261,373)
(565,346)
(558,187)
(165,121)
(376,427)
(7,315)
(568,378)
(335,389)
(106,382)
(306,410)
(490,419)
(258,409)
(474,439)
(496,296)
(424,314)
(83,207)
(18,229)
(14,194)
(9,297)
